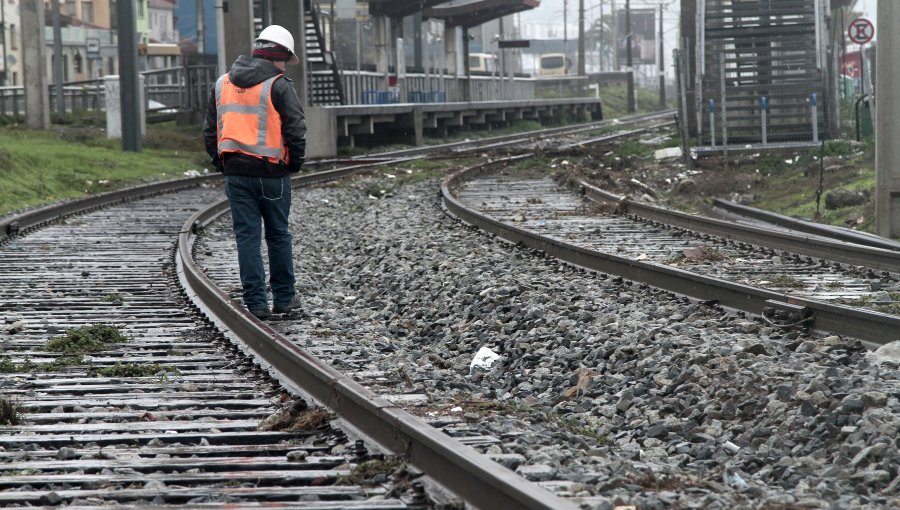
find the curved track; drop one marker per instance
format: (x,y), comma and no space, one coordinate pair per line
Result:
(457,467)
(536,212)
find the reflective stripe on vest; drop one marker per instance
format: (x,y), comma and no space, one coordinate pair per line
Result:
(238,138)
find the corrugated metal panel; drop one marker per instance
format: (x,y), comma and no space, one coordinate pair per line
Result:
(770,49)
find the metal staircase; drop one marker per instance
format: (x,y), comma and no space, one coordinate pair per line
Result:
(769,49)
(325,86)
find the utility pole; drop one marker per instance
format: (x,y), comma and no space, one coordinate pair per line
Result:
(566,31)
(34,54)
(887,126)
(662,64)
(58,59)
(581,64)
(129,84)
(628,58)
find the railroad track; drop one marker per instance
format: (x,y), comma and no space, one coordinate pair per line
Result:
(168,413)
(415,441)
(739,269)
(165,412)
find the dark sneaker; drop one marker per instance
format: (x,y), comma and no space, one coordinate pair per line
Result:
(288,308)
(262,313)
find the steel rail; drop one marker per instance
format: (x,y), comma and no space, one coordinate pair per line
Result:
(26,221)
(55,212)
(871,327)
(496,141)
(805,226)
(470,475)
(29,220)
(614,136)
(810,245)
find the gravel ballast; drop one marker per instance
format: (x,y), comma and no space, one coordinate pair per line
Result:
(610,391)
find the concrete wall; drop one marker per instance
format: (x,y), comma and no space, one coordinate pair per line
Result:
(321,132)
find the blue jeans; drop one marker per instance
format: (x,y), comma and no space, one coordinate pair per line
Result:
(255,199)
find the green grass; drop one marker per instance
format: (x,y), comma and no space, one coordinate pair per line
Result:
(41,167)
(615,101)
(790,189)
(85,339)
(10,412)
(57,365)
(131,370)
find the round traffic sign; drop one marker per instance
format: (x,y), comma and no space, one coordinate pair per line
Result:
(861,31)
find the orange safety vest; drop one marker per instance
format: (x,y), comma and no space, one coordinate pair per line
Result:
(247,120)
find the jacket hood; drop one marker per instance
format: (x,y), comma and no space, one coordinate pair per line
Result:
(247,72)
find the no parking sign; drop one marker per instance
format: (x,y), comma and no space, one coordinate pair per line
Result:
(861,31)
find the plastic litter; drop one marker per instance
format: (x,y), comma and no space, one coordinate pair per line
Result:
(889,352)
(484,359)
(669,152)
(734,480)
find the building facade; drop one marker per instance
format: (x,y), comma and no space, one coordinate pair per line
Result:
(89,44)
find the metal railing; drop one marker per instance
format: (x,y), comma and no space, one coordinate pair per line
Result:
(180,88)
(365,87)
(187,88)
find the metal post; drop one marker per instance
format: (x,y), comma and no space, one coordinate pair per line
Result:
(815,118)
(712,122)
(400,68)
(418,61)
(763,113)
(662,63)
(3,77)
(724,106)
(359,48)
(628,57)
(566,30)
(58,60)
(129,93)
(581,56)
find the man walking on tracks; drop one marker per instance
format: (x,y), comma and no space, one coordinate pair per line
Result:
(255,133)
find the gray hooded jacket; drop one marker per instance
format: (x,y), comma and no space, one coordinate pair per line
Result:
(247,72)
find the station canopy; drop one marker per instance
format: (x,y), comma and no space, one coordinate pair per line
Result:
(400,8)
(471,13)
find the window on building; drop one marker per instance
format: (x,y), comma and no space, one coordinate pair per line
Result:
(71,9)
(13,38)
(87,12)
(79,63)
(140,4)
(15,79)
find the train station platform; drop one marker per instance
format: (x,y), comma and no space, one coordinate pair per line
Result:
(330,127)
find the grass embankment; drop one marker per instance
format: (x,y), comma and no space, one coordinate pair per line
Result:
(66,162)
(615,101)
(787,182)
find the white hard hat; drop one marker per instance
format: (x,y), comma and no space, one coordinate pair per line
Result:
(280,36)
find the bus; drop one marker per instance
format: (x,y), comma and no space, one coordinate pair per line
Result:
(482,63)
(553,64)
